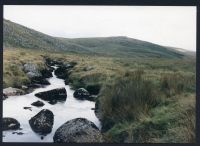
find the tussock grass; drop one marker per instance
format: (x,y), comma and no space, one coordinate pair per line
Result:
(164,124)
(141,100)
(13,61)
(127,99)
(176,83)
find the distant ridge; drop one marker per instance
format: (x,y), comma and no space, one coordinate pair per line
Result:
(18,36)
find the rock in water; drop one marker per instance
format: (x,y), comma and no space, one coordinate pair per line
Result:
(10,124)
(81,94)
(67,81)
(40,81)
(27,108)
(47,73)
(61,72)
(78,130)
(4,96)
(59,94)
(42,123)
(38,103)
(12,91)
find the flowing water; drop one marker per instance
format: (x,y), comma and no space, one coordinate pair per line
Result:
(72,108)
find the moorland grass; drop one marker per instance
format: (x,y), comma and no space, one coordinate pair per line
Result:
(141,100)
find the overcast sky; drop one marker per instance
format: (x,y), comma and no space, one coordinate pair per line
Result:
(170,26)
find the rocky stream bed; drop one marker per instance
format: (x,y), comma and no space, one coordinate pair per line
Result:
(50,113)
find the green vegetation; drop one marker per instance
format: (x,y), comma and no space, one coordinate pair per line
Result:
(135,110)
(18,36)
(140,100)
(13,61)
(146,92)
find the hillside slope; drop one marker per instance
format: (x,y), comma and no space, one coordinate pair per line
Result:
(18,36)
(129,47)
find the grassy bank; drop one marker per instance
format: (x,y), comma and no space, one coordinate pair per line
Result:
(13,61)
(140,100)
(136,109)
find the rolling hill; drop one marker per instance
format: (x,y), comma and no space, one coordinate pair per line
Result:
(18,36)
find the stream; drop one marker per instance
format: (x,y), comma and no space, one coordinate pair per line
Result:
(72,108)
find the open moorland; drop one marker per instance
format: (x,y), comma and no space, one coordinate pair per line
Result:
(143,92)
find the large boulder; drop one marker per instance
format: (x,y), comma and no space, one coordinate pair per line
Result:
(81,94)
(38,103)
(10,124)
(40,81)
(36,76)
(29,67)
(42,123)
(12,91)
(78,130)
(31,70)
(59,94)
(33,74)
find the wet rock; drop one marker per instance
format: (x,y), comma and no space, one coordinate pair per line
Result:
(67,81)
(78,130)
(59,94)
(61,72)
(64,69)
(18,133)
(50,68)
(12,91)
(52,102)
(10,124)
(47,73)
(28,108)
(40,81)
(38,103)
(49,62)
(42,123)
(34,86)
(4,96)
(81,94)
